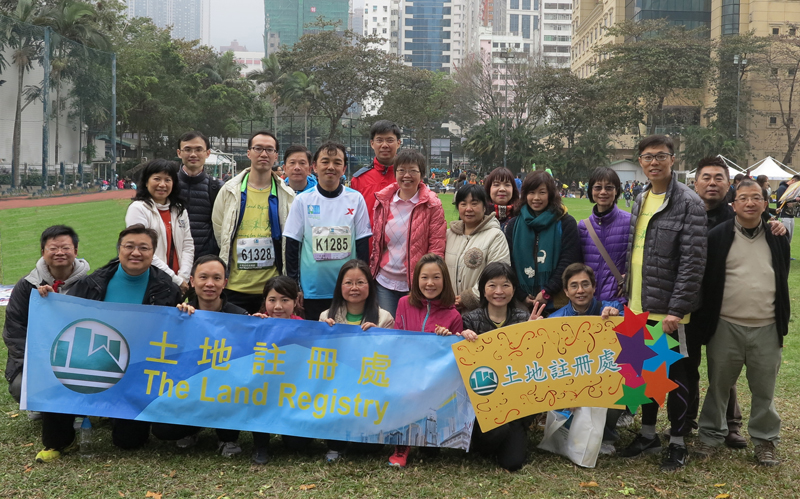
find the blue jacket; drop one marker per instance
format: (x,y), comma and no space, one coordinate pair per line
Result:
(596,308)
(312,182)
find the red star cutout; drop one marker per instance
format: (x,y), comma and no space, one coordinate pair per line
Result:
(632,379)
(632,323)
(658,384)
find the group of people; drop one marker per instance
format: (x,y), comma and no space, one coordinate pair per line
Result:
(380,254)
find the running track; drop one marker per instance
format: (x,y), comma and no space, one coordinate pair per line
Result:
(20,202)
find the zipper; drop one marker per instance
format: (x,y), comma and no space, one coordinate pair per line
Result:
(427,314)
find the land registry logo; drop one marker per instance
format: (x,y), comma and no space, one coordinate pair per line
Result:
(89,356)
(483,381)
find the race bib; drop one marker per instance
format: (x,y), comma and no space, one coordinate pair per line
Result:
(331,243)
(255,253)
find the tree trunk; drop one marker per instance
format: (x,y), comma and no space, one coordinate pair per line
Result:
(15,179)
(58,112)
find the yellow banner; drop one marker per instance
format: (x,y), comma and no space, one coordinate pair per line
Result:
(539,366)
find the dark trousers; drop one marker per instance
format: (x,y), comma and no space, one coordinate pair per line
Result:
(57,430)
(251,303)
(509,443)
(164,431)
(313,308)
(695,347)
(129,434)
(610,433)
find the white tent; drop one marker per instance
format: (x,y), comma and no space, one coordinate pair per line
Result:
(219,162)
(772,168)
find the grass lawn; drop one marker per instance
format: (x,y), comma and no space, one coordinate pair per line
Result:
(161,468)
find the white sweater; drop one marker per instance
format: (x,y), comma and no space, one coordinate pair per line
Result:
(146,214)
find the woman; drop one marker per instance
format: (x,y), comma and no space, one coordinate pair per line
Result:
(543,240)
(473,241)
(608,228)
(408,222)
(355,300)
(501,189)
(157,205)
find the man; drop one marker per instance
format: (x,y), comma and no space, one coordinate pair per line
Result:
(384,138)
(130,278)
(249,216)
(747,302)
(199,190)
(666,258)
(326,227)
(787,210)
(297,165)
(59,267)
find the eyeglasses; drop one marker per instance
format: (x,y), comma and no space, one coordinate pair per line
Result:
(660,157)
(380,141)
(62,249)
(258,150)
(747,199)
(142,249)
(196,150)
(601,188)
(357,284)
(403,171)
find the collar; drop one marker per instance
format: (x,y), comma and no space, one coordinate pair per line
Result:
(605,217)
(330,194)
(414,199)
(380,167)
(749,233)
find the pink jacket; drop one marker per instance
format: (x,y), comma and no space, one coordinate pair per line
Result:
(427,317)
(427,234)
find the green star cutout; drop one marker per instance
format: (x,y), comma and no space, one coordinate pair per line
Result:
(633,397)
(656,332)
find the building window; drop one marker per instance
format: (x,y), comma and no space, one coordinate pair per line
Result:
(384,31)
(773,71)
(792,31)
(730,17)
(776,31)
(526,27)
(374,8)
(513,4)
(513,23)
(773,120)
(526,4)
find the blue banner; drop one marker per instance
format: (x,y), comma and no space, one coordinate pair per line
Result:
(216,370)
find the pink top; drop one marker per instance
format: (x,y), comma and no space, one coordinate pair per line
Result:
(427,317)
(393,273)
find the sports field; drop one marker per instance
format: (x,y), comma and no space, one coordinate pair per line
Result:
(163,471)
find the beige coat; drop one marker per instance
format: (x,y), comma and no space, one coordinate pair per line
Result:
(385,319)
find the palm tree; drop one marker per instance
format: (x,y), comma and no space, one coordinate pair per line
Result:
(271,76)
(300,91)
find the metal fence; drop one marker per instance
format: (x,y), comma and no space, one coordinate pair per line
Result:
(57,110)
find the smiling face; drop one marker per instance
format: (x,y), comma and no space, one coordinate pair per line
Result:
(408,177)
(385,146)
(470,210)
(538,199)
(193,154)
(604,194)
(136,253)
(658,172)
(330,167)
(59,253)
(749,204)
(159,185)
(580,291)
(712,185)
(278,306)
(355,287)
(501,191)
(208,281)
(498,291)
(431,281)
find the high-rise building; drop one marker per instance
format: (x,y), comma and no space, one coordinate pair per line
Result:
(556,31)
(438,34)
(590,20)
(287,20)
(382,18)
(190,19)
(689,13)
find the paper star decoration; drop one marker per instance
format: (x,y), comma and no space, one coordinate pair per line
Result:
(632,378)
(656,332)
(632,323)
(663,354)
(634,351)
(633,397)
(658,384)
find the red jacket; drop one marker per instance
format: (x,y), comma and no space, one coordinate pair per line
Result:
(427,232)
(371,179)
(427,317)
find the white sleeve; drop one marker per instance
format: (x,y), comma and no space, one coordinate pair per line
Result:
(137,214)
(362,220)
(295,221)
(187,254)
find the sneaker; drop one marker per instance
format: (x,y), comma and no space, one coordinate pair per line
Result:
(333,456)
(735,440)
(767,454)
(260,455)
(400,456)
(34,415)
(703,450)
(607,449)
(49,455)
(676,458)
(229,449)
(641,445)
(625,420)
(188,442)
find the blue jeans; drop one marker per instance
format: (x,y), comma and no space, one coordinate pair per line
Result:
(388,298)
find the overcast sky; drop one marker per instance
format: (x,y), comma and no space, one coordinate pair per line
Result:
(242,20)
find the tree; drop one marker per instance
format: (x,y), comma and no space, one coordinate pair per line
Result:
(349,69)
(269,77)
(659,63)
(300,91)
(702,142)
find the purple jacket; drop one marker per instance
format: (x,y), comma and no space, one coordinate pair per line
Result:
(613,229)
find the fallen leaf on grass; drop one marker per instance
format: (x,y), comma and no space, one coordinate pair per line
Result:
(28,468)
(308,487)
(120,493)
(27,445)
(719,485)
(154,495)
(589,484)
(15,415)
(722,496)
(660,491)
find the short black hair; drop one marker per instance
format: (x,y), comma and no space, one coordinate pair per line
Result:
(604,174)
(795,177)
(186,137)
(55,231)
(138,229)
(384,126)
(493,271)
(657,140)
(152,167)
(501,174)
(295,148)
(476,191)
(715,161)
(282,284)
(410,157)
(574,269)
(263,132)
(329,147)
(738,177)
(209,258)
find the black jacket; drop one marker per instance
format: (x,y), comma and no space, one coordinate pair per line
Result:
(160,288)
(720,240)
(227,307)
(478,320)
(200,192)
